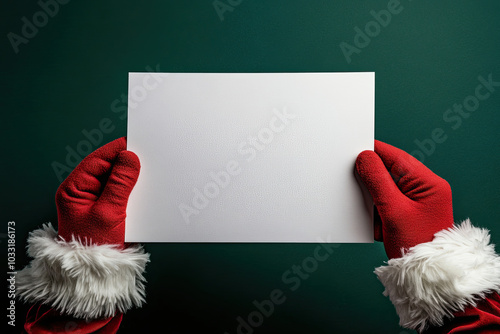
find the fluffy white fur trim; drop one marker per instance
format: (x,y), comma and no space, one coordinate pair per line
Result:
(435,279)
(85,281)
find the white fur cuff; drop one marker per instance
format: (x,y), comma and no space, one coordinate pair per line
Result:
(435,279)
(85,281)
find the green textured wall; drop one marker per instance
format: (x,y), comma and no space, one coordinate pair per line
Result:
(70,75)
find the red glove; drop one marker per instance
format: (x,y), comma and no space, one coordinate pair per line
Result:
(91,202)
(412,202)
(440,277)
(85,272)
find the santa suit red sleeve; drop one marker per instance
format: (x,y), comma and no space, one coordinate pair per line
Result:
(441,277)
(83,277)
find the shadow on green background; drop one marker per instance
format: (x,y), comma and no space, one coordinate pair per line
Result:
(71,74)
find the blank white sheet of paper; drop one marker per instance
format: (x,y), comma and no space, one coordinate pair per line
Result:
(249,157)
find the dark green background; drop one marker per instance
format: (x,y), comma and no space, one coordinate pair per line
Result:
(65,79)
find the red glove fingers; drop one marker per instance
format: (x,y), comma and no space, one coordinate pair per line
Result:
(412,201)
(92,201)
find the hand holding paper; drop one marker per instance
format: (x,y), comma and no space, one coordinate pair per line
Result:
(92,201)
(84,273)
(412,201)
